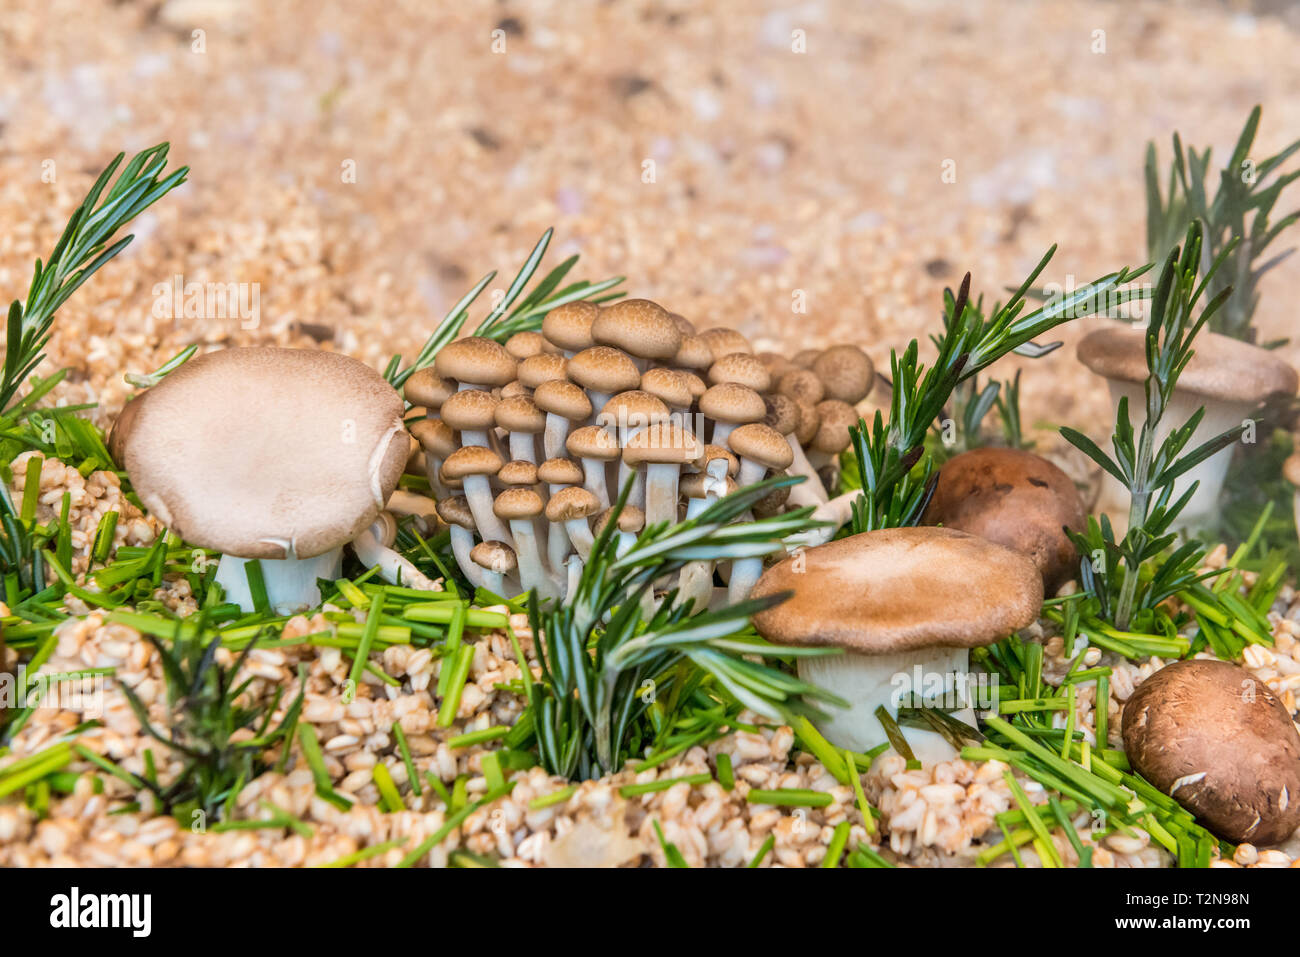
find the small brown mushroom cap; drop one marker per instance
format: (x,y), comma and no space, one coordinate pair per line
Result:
(712,452)
(425,387)
(684,325)
(560,472)
(668,386)
(900,589)
(696,485)
(693,353)
(494,556)
(471,460)
(804,358)
(1217,740)
(564,399)
(570,503)
(802,385)
(535,370)
(436,436)
(604,369)
(517,503)
(632,410)
(743,369)
(1220,368)
(513,390)
(763,444)
(569,326)
(729,402)
(476,360)
(639,327)
(631,519)
(1016,499)
(663,443)
(470,409)
(773,503)
(266,452)
(846,372)
(810,421)
(454,510)
(592,442)
(835,420)
(1291,469)
(694,384)
(777,365)
(520,414)
(723,342)
(523,345)
(518,472)
(782,413)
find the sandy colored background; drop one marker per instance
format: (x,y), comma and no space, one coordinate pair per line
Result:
(775,171)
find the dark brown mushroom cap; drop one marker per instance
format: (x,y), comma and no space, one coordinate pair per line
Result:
(266,452)
(523,345)
(477,361)
(455,510)
(535,370)
(470,409)
(494,556)
(425,387)
(471,460)
(560,472)
(592,442)
(604,369)
(846,372)
(571,503)
(639,327)
(517,503)
(663,443)
(773,503)
(518,472)
(900,589)
(802,385)
(631,519)
(520,414)
(1217,740)
(743,369)
(569,326)
(835,420)
(436,436)
(763,444)
(1221,367)
(729,402)
(668,386)
(693,353)
(564,399)
(723,342)
(782,413)
(1016,499)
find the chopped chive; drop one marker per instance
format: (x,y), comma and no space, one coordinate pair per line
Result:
(389,799)
(438,612)
(491,765)
(671,852)
(438,787)
(309,745)
(453,822)
(555,797)
(651,787)
(477,737)
(835,850)
(725,776)
(820,748)
(1068,737)
(257,585)
(763,851)
(1101,711)
(1047,852)
(404,749)
(367,639)
(459,792)
(789,797)
(455,685)
(365,854)
(868,818)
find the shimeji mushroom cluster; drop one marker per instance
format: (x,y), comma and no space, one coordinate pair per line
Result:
(528,444)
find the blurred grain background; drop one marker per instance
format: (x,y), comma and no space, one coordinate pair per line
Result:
(797,148)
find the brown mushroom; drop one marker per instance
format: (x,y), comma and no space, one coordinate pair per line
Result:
(568,327)
(641,328)
(846,372)
(523,420)
(497,560)
(475,362)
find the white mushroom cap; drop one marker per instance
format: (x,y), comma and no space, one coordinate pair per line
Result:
(266,453)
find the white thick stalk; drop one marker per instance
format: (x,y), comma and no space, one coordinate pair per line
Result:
(462,543)
(532,572)
(837,511)
(290,582)
(811,492)
(392,566)
(574,566)
(696,581)
(557,432)
(661,492)
(593,480)
(477,437)
(580,534)
(523,448)
(870,681)
(478,492)
(557,539)
(721,432)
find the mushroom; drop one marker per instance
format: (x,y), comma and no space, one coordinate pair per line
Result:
(557,473)
(630,522)
(454,510)
(475,362)
(497,560)
(684,325)
(1291,472)
(760,448)
(671,388)
(472,413)
(282,455)
(835,418)
(624,416)
(603,371)
(535,370)
(785,415)
(802,386)
(723,342)
(426,388)
(1214,738)
(846,373)
(730,405)
(776,364)
(522,418)
(695,582)
(593,446)
(1227,377)
(374,548)
(474,465)
(518,473)
(572,507)
(438,441)
(564,404)
(568,327)
(742,369)
(1016,499)
(525,345)
(904,604)
(693,353)
(663,448)
(641,328)
(520,506)
(804,358)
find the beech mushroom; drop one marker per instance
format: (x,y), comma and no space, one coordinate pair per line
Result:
(1016,499)
(594,447)
(835,418)
(742,369)
(568,327)
(374,548)
(846,372)
(497,560)
(519,507)
(571,507)
(525,345)
(671,388)
(802,386)
(454,510)
(1227,377)
(282,455)
(625,416)
(630,522)
(694,353)
(1215,738)
(730,405)
(785,415)
(557,473)
(760,448)
(723,342)
(428,389)
(695,583)
(603,371)
(438,441)
(663,448)
(475,362)
(472,413)
(546,367)
(564,404)
(474,465)
(523,420)
(641,328)
(900,602)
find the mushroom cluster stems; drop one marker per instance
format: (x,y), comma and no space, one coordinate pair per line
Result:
(811,491)
(290,582)
(868,682)
(372,551)
(534,573)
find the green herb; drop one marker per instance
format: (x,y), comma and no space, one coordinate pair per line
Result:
(653,787)
(555,797)
(789,797)
(763,851)
(671,852)
(365,854)
(835,849)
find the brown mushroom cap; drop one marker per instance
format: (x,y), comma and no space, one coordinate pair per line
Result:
(1220,368)
(668,386)
(471,460)
(632,409)
(776,364)
(522,345)
(695,485)
(520,414)
(743,369)
(564,399)
(835,420)
(560,472)
(694,384)
(535,370)
(900,589)
(723,342)
(639,327)
(436,436)
(810,421)
(684,325)
(570,503)
(802,385)
(1016,499)
(729,402)
(494,556)
(1217,740)
(663,443)
(518,472)
(846,372)
(763,444)
(782,413)
(712,452)
(693,353)
(454,510)
(266,452)
(604,369)
(517,503)
(804,358)
(592,442)
(631,519)
(476,360)
(569,326)
(512,390)
(425,387)
(470,409)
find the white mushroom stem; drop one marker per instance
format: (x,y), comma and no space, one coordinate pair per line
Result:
(837,511)
(869,681)
(495,582)
(477,437)
(557,432)
(290,582)
(744,575)
(523,447)
(750,472)
(580,534)
(598,401)
(574,565)
(721,430)
(557,540)
(478,492)
(392,566)
(812,492)
(433,471)
(593,480)
(661,492)
(696,580)
(532,572)
(462,542)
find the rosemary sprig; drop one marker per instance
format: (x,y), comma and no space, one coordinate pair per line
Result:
(1113,572)
(503,321)
(606,665)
